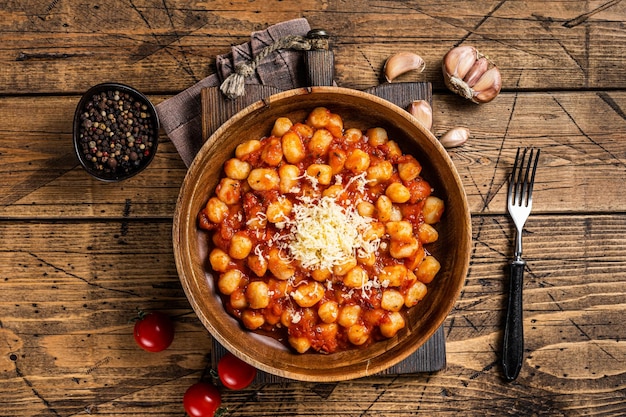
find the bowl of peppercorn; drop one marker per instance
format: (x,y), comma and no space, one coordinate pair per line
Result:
(115,131)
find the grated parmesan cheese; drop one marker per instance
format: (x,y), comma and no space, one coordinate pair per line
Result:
(259,217)
(323,233)
(296,317)
(374,283)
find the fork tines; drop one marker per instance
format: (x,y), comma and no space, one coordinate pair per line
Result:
(523,177)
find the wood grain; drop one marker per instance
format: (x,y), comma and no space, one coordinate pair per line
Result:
(78,257)
(579,152)
(537,45)
(65,326)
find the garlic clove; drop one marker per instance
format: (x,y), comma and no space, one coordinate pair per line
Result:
(401,63)
(477,71)
(488,86)
(458,61)
(470,74)
(454,137)
(422,111)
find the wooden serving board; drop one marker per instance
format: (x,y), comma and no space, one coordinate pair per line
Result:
(216,110)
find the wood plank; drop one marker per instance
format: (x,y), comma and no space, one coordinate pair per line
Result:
(79,256)
(69,291)
(69,288)
(67,47)
(216,109)
(42,178)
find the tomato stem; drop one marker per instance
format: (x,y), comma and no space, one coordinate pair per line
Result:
(140,316)
(214,376)
(220,412)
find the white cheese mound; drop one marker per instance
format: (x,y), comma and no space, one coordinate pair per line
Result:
(323,234)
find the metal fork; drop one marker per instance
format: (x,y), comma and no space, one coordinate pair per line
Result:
(520,202)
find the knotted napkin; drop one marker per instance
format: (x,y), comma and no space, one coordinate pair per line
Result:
(180,115)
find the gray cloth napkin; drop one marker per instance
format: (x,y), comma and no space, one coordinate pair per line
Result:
(180,115)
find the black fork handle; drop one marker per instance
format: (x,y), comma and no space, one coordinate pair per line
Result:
(513,344)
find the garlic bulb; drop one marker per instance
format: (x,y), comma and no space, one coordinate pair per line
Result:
(421,110)
(454,137)
(471,74)
(402,62)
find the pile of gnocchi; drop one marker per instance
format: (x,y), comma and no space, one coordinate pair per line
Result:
(318,234)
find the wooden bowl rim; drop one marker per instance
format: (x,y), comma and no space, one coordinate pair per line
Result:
(184,226)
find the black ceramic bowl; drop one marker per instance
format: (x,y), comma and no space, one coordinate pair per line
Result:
(116,131)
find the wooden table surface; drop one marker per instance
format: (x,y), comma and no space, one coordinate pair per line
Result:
(78,257)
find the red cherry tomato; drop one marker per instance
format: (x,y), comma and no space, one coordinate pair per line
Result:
(154,331)
(202,400)
(235,373)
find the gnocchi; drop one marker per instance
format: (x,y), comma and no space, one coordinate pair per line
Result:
(318,233)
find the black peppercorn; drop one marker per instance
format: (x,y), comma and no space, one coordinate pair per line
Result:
(115,132)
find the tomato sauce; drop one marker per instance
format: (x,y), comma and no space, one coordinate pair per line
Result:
(305,327)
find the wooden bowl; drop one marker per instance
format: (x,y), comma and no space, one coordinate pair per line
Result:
(361,110)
